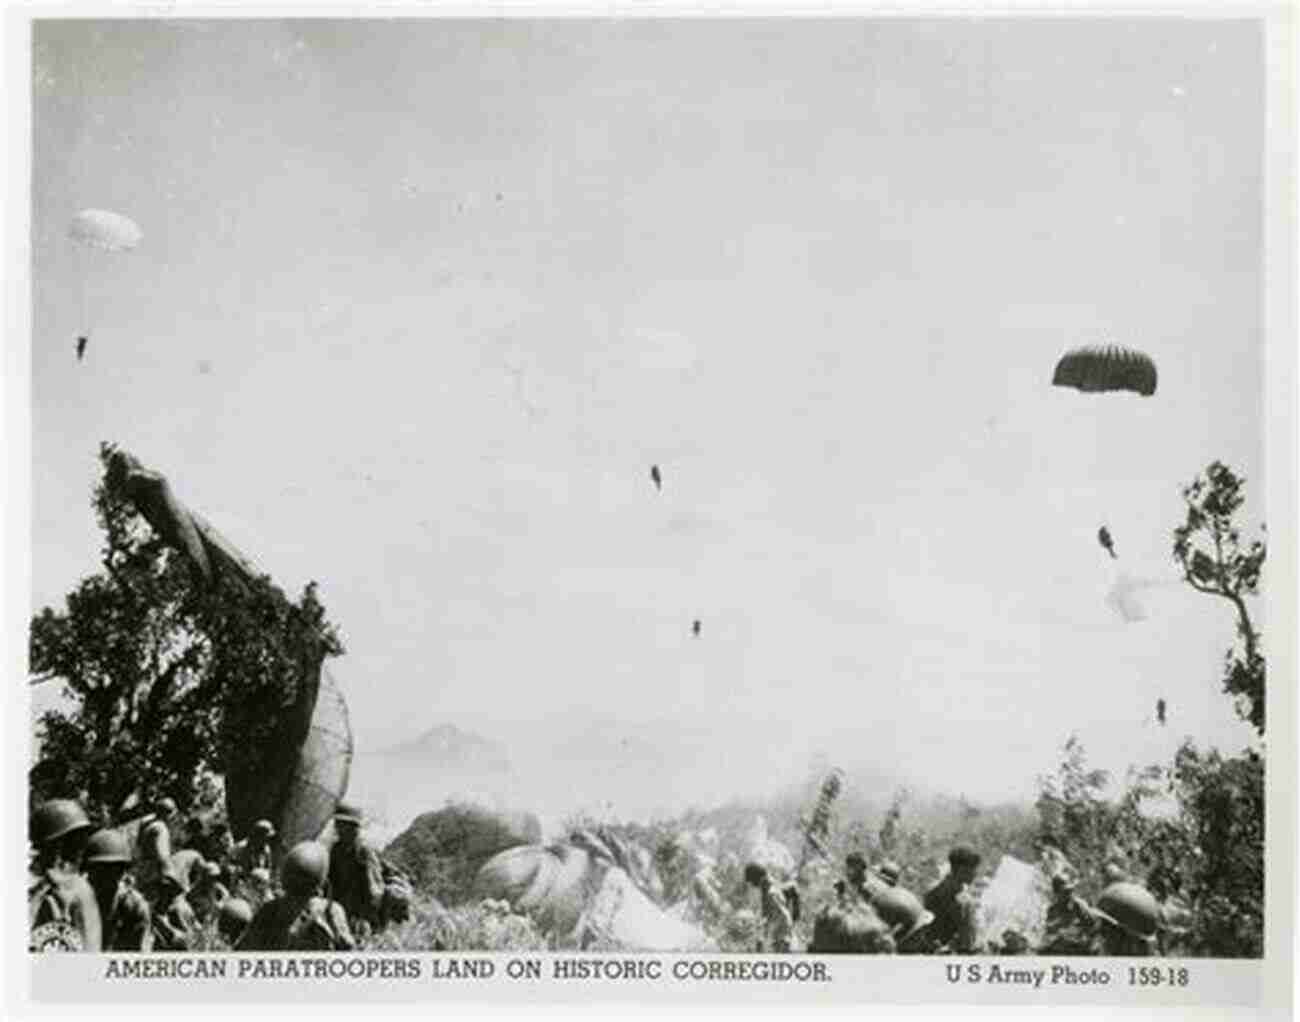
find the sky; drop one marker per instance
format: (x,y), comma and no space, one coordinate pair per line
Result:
(419,303)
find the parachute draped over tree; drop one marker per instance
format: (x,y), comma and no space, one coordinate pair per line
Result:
(105,230)
(1094,370)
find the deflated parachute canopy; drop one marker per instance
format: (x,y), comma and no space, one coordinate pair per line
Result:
(105,230)
(1093,370)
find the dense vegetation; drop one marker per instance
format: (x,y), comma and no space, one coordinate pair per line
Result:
(168,681)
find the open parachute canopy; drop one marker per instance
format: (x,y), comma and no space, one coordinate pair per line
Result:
(106,230)
(1110,368)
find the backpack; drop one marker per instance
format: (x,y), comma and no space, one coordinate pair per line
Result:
(50,927)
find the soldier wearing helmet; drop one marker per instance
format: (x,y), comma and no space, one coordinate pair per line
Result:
(123,909)
(1071,926)
(61,908)
(301,919)
(356,877)
(1130,917)
(206,890)
(175,925)
(254,852)
(233,918)
(150,839)
(953,905)
(778,923)
(906,918)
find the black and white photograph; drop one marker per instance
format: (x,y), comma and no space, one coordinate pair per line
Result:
(765,496)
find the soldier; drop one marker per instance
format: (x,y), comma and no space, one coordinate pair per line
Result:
(62,912)
(123,909)
(220,847)
(254,852)
(953,905)
(908,920)
(207,891)
(186,864)
(233,918)
(174,926)
(300,919)
(195,834)
(1130,916)
(858,885)
(778,924)
(150,838)
(398,894)
(1071,927)
(356,878)
(258,887)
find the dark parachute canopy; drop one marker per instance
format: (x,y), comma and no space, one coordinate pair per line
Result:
(1110,368)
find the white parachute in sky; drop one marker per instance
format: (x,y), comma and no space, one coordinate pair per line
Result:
(1124,596)
(98,231)
(105,230)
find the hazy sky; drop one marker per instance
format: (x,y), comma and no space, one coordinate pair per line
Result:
(418,304)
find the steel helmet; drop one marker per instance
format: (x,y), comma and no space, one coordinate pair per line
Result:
(234,912)
(890,870)
(305,867)
(1131,907)
(901,910)
(107,846)
(263,828)
(57,818)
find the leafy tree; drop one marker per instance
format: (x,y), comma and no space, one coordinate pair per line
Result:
(1223,873)
(1208,853)
(1073,810)
(1209,548)
(167,680)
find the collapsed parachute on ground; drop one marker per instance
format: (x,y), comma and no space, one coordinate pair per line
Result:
(1094,370)
(105,230)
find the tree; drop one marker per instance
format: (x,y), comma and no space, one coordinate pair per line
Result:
(166,679)
(1208,546)
(1075,815)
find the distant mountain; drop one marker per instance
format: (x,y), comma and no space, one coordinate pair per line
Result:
(449,749)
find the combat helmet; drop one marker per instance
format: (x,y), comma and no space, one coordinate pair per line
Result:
(107,846)
(902,911)
(57,818)
(305,867)
(1131,907)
